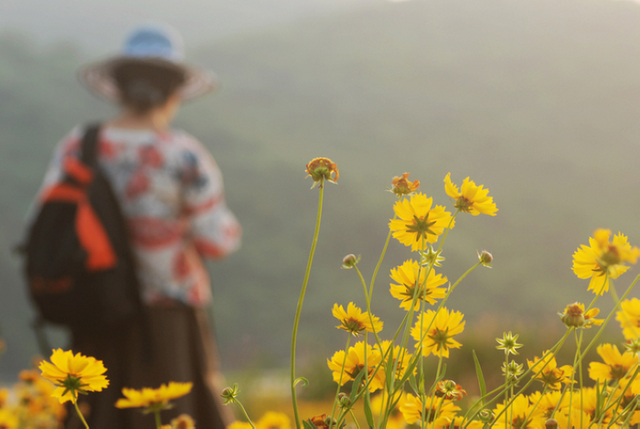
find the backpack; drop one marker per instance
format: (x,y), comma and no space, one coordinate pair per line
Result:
(79,266)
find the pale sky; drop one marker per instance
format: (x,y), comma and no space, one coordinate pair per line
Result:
(90,22)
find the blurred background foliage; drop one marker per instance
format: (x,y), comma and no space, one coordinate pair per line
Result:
(537,100)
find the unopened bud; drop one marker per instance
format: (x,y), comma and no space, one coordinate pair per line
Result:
(229,394)
(344,400)
(486,416)
(573,316)
(486,258)
(551,424)
(350,261)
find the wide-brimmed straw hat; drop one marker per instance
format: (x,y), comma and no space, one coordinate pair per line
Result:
(156,44)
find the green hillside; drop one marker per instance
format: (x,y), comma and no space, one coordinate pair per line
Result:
(537,100)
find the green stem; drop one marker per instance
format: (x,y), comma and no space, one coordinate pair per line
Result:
(299,308)
(158,420)
(244,412)
(367,297)
(75,404)
(344,361)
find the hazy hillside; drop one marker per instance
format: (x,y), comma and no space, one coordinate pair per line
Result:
(536,99)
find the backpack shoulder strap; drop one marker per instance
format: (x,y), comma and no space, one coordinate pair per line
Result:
(89,144)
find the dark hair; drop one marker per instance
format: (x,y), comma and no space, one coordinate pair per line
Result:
(144,86)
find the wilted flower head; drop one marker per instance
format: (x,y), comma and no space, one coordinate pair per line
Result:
(575,316)
(321,169)
(403,186)
(603,260)
(450,390)
(470,198)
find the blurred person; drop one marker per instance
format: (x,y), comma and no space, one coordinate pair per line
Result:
(171,195)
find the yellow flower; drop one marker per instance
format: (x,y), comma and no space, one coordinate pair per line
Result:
(550,401)
(574,316)
(410,275)
(404,186)
(153,398)
(629,318)
(395,420)
(470,198)
(273,420)
(590,402)
(321,169)
(240,425)
(434,331)
(545,369)
(444,422)
(355,321)
(411,408)
(391,357)
(8,418)
(519,415)
(183,421)
(616,365)
(73,374)
(577,416)
(603,260)
(355,363)
(418,223)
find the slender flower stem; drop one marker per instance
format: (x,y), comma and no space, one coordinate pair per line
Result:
(367,297)
(75,404)
(244,412)
(158,420)
(344,362)
(296,322)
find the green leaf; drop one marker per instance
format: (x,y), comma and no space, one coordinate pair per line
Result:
(302,380)
(413,383)
(483,386)
(367,409)
(356,385)
(308,425)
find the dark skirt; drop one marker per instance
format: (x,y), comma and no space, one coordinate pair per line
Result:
(177,345)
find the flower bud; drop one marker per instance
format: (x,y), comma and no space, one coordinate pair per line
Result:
(350,261)
(551,424)
(573,316)
(344,400)
(485,416)
(486,258)
(229,394)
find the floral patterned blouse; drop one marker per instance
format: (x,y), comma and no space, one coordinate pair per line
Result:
(171,194)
